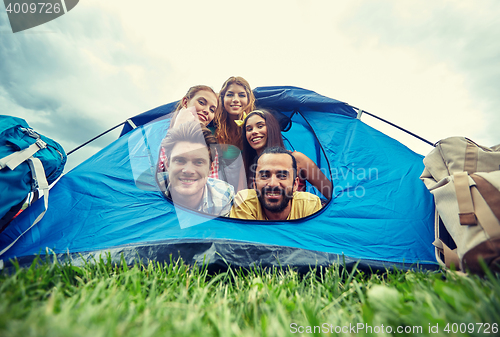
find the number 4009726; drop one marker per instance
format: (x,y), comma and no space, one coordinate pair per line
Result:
(485,328)
(32,8)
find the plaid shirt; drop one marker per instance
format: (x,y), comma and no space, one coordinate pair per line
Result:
(217,197)
(214,173)
(215,168)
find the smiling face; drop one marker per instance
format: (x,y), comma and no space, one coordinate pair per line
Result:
(235,100)
(256,133)
(205,103)
(188,168)
(275,183)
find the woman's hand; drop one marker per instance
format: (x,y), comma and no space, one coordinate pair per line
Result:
(186,115)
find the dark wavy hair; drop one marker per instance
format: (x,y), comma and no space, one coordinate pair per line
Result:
(273,139)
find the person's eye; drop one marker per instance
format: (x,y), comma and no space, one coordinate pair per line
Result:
(201,102)
(229,95)
(261,126)
(249,129)
(179,161)
(281,176)
(199,162)
(243,95)
(212,109)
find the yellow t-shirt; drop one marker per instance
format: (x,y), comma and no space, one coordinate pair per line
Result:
(247,206)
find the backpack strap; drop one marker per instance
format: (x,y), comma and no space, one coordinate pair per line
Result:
(490,194)
(40,182)
(13,160)
(485,215)
(470,212)
(471,157)
(465,205)
(450,256)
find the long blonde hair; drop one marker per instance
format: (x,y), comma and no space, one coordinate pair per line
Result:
(221,118)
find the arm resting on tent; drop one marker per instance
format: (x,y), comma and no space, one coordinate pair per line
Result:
(310,171)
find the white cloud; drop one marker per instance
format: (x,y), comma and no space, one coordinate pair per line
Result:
(458,59)
(78,77)
(428,67)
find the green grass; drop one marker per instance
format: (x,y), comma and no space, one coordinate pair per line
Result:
(174,299)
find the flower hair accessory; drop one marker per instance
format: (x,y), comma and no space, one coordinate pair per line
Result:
(240,122)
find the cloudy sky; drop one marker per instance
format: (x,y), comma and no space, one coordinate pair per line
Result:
(432,67)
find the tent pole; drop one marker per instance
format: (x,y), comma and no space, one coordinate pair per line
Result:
(396,126)
(102,134)
(360,113)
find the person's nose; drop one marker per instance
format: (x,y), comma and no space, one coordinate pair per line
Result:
(188,168)
(273,181)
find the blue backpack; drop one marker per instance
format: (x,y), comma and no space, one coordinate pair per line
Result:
(28,162)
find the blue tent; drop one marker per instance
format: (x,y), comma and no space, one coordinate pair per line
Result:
(381,214)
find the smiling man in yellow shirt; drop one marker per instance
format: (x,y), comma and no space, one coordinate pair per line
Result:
(275,196)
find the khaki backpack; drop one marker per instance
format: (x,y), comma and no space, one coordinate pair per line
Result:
(465,180)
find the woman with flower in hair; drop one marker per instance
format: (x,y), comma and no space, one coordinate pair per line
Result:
(262,130)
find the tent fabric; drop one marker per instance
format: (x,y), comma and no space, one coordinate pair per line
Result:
(213,253)
(380,213)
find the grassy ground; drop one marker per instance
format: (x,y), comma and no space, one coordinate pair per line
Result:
(103,299)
